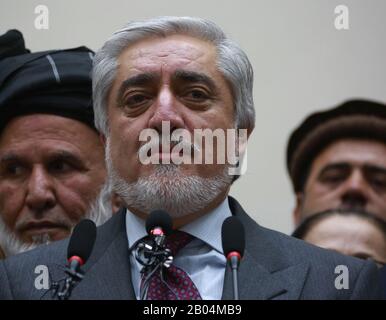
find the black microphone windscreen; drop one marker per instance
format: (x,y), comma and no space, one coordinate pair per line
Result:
(82,240)
(233,236)
(159,218)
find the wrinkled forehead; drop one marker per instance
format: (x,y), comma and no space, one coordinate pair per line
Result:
(168,54)
(45,126)
(355,152)
(40,136)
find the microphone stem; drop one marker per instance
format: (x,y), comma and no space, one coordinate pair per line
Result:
(235,285)
(234,262)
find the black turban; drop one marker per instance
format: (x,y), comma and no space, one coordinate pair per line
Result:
(51,82)
(358,119)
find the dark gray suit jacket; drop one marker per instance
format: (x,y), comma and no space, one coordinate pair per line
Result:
(274,266)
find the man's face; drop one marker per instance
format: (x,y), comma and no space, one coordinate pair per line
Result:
(173,79)
(51,170)
(349,235)
(349,174)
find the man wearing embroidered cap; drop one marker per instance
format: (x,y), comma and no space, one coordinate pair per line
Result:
(337,160)
(52,171)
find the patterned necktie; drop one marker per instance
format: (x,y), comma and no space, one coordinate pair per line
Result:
(176,284)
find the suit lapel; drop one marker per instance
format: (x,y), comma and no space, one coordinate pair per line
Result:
(263,272)
(110,277)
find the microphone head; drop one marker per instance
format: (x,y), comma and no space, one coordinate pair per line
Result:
(82,240)
(159,218)
(233,236)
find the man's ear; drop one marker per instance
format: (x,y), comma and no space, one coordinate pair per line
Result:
(116,202)
(239,158)
(243,142)
(297,213)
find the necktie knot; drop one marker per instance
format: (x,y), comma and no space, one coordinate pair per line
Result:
(173,283)
(177,240)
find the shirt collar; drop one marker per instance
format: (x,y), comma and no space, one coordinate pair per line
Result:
(206,228)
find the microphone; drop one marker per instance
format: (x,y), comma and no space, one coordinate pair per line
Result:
(81,243)
(159,224)
(79,249)
(151,253)
(233,243)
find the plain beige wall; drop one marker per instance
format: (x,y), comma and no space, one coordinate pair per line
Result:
(301,62)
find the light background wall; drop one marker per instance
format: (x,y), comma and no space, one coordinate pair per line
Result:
(301,62)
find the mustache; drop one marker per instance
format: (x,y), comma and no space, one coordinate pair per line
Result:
(171,141)
(99,211)
(30,223)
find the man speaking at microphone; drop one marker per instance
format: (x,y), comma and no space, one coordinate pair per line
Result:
(166,77)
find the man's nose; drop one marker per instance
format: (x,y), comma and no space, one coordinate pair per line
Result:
(167,108)
(41,193)
(355,193)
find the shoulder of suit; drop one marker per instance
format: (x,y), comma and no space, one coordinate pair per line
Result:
(54,252)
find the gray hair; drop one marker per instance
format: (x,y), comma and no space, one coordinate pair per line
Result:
(232,62)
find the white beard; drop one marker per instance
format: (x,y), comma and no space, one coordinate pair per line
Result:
(99,212)
(167,189)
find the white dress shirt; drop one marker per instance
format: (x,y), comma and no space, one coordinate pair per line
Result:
(202,259)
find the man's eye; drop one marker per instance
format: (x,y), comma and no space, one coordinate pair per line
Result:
(333,177)
(14,170)
(197,95)
(59,167)
(136,100)
(379,182)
